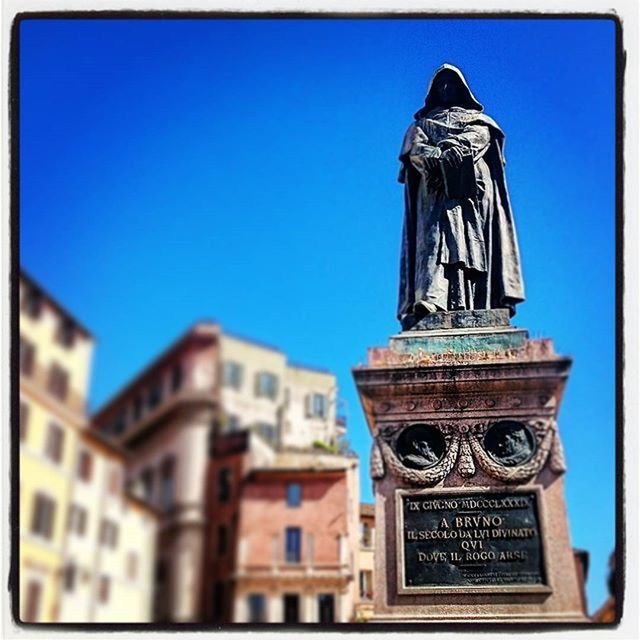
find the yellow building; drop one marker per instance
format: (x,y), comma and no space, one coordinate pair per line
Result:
(55,359)
(68,487)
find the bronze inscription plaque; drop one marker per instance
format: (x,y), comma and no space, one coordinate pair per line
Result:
(471,539)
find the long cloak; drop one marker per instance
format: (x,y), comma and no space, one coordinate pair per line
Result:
(472,237)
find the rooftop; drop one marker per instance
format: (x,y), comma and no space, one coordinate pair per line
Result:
(197,330)
(35,285)
(251,341)
(308,461)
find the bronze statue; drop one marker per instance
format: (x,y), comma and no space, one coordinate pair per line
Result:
(459,247)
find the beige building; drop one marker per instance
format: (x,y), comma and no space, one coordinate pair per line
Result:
(204,385)
(366,544)
(111,539)
(55,361)
(164,419)
(290,406)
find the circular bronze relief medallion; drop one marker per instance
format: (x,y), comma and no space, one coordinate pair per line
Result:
(420,446)
(510,443)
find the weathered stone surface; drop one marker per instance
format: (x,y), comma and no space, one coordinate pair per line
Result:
(458,341)
(469,396)
(463,320)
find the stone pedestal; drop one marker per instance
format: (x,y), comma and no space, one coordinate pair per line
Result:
(468,467)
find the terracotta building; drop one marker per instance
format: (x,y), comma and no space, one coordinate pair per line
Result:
(608,611)
(170,418)
(282,541)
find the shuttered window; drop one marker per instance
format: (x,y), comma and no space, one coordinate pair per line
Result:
(55,442)
(44,509)
(58,384)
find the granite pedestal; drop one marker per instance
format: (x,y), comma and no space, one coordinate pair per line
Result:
(467,466)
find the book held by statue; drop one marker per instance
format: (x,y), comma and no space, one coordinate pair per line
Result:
(460,181)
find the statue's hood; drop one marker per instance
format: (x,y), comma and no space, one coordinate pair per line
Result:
(467,99)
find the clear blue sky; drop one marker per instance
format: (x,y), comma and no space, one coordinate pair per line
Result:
(245,170)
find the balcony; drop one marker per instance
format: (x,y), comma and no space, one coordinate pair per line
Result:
(307,568)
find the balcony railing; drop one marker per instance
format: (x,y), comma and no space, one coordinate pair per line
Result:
(277,565)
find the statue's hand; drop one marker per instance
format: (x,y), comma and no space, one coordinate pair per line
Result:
(425,157)
(430,156)
(430,163)
(452,157)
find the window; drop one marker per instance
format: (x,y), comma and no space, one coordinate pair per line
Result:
(232,374)
(115,481)
(326,608)
(58,384)
(317,405)
(24,420)
(118,425)
(32,303)
(161,572)
(105,532)
(266,385)
(27,357)
(146,480)
(222,540)
(32,602)
(366,535)
(218,600)
(167,483)
(294,494)
(85,465)
(108,533)
(224,485)
(155,394)
(233,423)
(132,565)
(366,585)
(257,607)
(69,577)
(66,332)
(176,377)
(55,442)
(138,407)
(267,431)
(77,519)
(291,606)
(103,589)
(292,544)
(44,509)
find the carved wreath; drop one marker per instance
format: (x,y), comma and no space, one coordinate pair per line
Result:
(465,446)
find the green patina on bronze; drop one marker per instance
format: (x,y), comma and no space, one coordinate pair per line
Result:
(458,341)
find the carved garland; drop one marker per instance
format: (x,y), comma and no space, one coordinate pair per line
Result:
(464,446)
(432,475)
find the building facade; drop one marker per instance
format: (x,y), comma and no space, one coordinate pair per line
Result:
(283,534)
(208,384)
(366,543)
(164,419)
(55,362)
(291,406)
(110,541)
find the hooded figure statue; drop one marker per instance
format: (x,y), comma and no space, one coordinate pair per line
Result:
(459,247)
